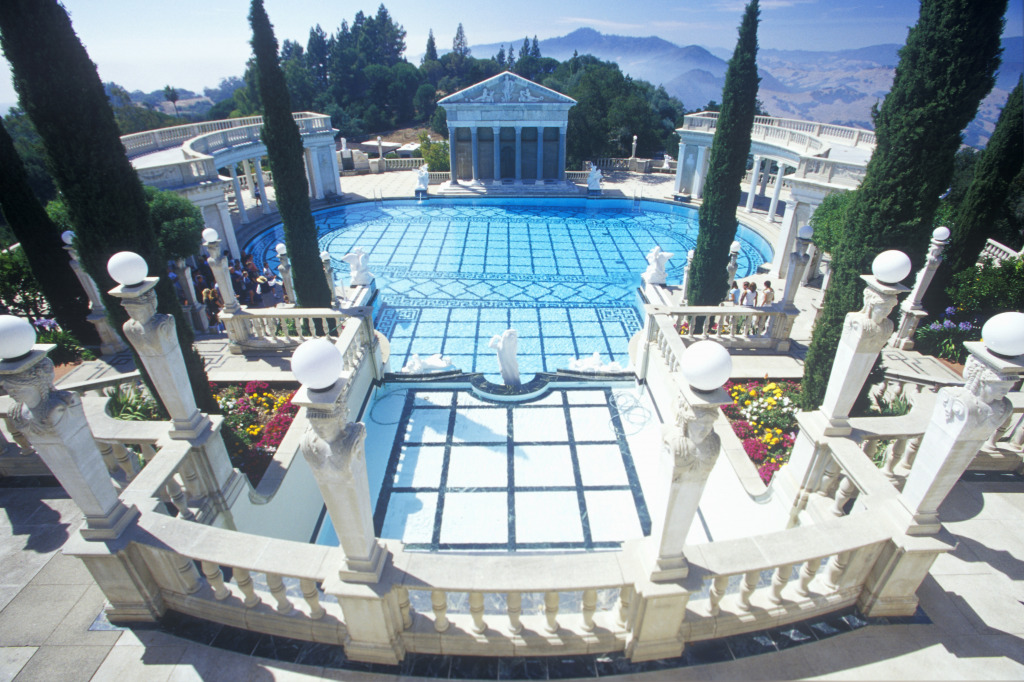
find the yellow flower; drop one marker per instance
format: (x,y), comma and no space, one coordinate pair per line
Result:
(753,393)
(746,402)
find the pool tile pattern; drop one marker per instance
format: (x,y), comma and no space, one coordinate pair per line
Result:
(469,474)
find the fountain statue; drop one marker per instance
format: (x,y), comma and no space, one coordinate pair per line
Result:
(418,365)
(594,179)
(507,344)
(656,260)
(422,178)
(594,364)
(358,261)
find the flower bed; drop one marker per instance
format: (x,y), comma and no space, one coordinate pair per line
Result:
(763,417)
(256,419)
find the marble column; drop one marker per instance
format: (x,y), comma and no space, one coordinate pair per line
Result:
(239,202)
(519,153)
(700,174)
(335,451)
(474,133)
(680,167)
(227,228)
(691,447)
(911,310)
(110,340)
(335,170)
(775,194)
(561,153)
(765,173)
(285,268)
(261,183)
(453,173)
(54,423)
(804,198)
(865,333)
(752,189)
(197,311)
(325,258)
(540,155)
(250,179)
(219,264)
(312,172)
(497,153)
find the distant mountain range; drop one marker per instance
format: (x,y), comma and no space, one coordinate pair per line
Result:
(830,87)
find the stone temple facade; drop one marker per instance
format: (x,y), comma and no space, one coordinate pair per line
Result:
(507,129)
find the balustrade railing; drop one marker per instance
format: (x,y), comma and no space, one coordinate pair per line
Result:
(854,137)
(733,326)
(997,252)
(402,164)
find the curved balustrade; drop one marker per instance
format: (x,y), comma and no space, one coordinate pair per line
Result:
(855,137)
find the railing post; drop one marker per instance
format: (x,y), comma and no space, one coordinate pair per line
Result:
(660,611)
(912,310)
(285,268)
(110,341)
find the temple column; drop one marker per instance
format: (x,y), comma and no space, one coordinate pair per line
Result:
(764,177)
(519,153)
(775,193)
(680,167)
(453,176)
(751,191)
(700,174)
(474,132)
(561,153)
(334,169)
(497,153)
(316,186)
(239,202)
(803,199)
(261,183)
(249,179)
(540,155)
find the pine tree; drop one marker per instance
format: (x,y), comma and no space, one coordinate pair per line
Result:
(431,54)
(171,95)
(524,50)
(985,204)
(729,151)
(42,245)
(284,149)
(62,94)
(501,57)
(535,48)
(946,67)
(459,44)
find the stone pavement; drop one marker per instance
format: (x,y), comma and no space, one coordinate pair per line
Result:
(974,598)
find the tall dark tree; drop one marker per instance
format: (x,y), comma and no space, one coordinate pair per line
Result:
(61,92)
(984,207)
(460,45)
(500,58)
(729,150)
(535,48)
(284,149)
(946,67)
(317,50)
(431,54)
(171,95)
(40,240)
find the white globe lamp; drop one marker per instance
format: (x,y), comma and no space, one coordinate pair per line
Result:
(127,268)
(67,236)
(891,267)
(1003,334)
(706,365)
(324,255)
(317,364)
(940,234)
(805,232)
(734,247)
(210,235)
(281,249)
(17,336)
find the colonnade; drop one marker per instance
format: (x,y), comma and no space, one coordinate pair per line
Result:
(495,152)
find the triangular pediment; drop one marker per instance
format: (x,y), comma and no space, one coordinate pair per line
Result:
(507,88)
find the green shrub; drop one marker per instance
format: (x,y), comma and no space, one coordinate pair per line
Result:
(946,339)
(68,349)
(990,288)
(130,403)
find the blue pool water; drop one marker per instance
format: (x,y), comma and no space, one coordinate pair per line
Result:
(452,274)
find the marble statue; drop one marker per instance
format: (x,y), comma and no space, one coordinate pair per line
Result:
(422,178)
(667,165)
(418,365)
(507,88)
(656,260)
(526,96)
(594,179)
(487,96)
(594,364)
(358,261)
(507,344)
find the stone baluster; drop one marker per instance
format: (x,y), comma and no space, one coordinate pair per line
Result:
(626,596)
(779,579)
(125,459)
(178,499)
(404,606)
(439,605)
(514,602)
(807,573)
(285,268)
(910,455)
(747,587)
(312,596)
(589,607)
(277,589)
(107,453)
(215,577)
(195,308)
(912,312)
(244,581)
(846,492)
(551,612)
(476,607)
(893,458)
(865,333)
(55,424)
(334,450)
(718,587)
(110,340)
(835,569)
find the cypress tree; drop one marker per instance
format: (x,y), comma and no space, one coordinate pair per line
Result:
(946,67)
(284,149)
(985,204)
(728,162)
(42,245)
(59,89)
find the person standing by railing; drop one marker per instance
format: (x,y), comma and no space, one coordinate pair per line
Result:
(767,299)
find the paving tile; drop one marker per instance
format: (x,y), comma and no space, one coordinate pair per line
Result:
(137,662)
(200,662)
(64,663)
(74,628)
(63,569)
(13,659)
(34,614)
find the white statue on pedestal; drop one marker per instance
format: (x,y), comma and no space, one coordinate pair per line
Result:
(358,261)
(507,344)
(594,179)
(656,260)
(667,165)
(422,178)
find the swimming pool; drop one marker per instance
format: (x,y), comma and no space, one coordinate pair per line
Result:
(563,273)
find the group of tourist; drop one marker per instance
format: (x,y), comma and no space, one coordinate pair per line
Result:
(748,297)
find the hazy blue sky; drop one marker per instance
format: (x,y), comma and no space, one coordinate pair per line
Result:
(144,45)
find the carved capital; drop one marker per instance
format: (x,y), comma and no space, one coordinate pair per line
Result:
(153,335)
(140,308)
(869,328)
(341,452)
(692,442)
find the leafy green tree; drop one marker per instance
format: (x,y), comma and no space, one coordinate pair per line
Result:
(828,220)
(178,222)
(41,245)
(29,147)
(985,290)
(500,57)
(284,149)
(62,94)
(729,151)
(424,101)
(317,52)
(171,95)
(460,45)
(132,119)
(435,154)
(20,293)
(984,208)
(945,69)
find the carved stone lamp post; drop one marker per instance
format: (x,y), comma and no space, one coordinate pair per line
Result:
(334,449)
(325,258)
(912,309)
(285,268)
(781,327)
(219,265)
(55,424)
(693,447)
(110,341)
(730,269)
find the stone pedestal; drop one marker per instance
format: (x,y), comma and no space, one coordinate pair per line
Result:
(54,423)
(912,310)
(219,264)
(195,308)
(110,340)
(335,452)
(285,268)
